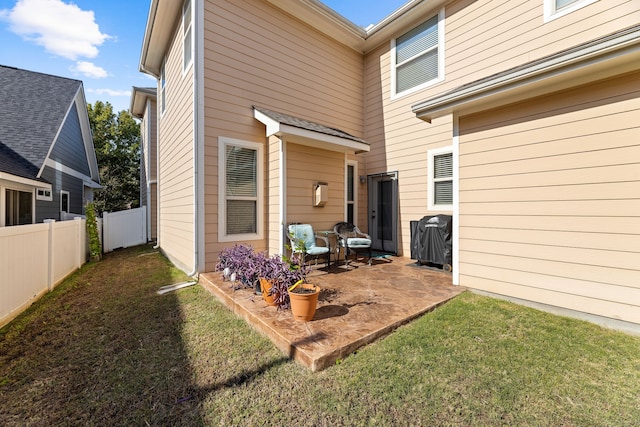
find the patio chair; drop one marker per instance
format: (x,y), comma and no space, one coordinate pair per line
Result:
(303,240)
(352,239)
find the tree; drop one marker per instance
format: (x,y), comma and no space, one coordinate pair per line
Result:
(116,139)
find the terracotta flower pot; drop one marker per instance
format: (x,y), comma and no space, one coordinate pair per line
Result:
(303,305)
(265,287)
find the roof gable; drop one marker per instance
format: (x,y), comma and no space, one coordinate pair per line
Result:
(32,109)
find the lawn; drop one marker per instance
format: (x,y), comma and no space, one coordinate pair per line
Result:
(105,349)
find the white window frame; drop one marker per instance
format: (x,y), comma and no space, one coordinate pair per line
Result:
(431,180)
(223,142)
(441,56)
(354,164)
(63,192)
(163,86)
(41,194)
(551,12)
(187,35)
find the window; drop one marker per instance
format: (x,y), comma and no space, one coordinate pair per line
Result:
(64,201)
(440,195)
(43,194)
(163,83)
(351,193)
(18,207)
(417,57)
(556,8)
(240,193)
(187,35)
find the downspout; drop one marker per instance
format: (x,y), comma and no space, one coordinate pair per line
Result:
(198,136)
(148,167)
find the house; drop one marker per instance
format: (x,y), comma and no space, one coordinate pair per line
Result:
(144,107)
(48,167)
(520,119)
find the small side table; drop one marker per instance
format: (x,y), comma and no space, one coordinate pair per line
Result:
(328,234)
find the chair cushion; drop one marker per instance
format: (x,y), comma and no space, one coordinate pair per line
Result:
(303,232)
(358,242)
(317,250)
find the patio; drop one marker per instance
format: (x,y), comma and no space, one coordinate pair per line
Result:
(357,305)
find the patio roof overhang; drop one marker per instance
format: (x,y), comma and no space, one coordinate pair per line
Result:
(305,132)
(4,176)
(608,56)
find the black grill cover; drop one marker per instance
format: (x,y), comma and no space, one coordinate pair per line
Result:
(431,241)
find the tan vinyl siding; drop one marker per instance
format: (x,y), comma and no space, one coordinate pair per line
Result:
(305,167)
(258,55)
(176,180)
(549,200)
(481,38)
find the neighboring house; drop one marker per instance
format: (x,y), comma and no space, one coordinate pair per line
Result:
(48,165)
(143,107)
(520,119)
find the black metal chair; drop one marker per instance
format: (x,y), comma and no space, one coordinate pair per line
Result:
(351,238)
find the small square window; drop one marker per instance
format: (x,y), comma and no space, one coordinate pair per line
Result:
(43,194)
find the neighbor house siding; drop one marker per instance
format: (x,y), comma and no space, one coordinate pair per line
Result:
(256,54)
(481,38)
(61,181)
(69,148)
(549,200)
(176,156)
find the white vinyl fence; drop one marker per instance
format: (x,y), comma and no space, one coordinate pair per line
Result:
(34,259)
(124,229)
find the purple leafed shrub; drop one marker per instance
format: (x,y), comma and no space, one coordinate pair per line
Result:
(249,265)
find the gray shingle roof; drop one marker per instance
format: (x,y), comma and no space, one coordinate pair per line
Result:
(32,108)
(307,125)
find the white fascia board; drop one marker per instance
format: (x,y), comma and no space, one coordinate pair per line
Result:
(308,137)
(620,51)
(89,182)
(273,126)
(4,176)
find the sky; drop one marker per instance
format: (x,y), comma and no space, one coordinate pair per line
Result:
(99,41)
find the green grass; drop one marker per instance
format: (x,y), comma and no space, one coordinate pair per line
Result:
(105,349)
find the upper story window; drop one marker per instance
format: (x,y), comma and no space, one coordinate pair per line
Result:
(187,35)
(163,83)
(556,8)
(417,57)
(440,195)
(240,190)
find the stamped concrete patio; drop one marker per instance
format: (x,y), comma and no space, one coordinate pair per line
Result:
(357,305)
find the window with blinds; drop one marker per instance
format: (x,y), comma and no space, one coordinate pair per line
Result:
(240,188)
(443,179)
(440,196)
(417,56)
(187,35)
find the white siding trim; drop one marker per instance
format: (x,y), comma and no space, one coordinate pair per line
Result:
(456,202)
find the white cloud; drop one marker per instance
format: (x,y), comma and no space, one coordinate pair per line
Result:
(89,69)
(63,29)
(110,92)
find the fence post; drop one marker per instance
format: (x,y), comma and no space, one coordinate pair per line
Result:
(105,233)
(79,241)
(50,259)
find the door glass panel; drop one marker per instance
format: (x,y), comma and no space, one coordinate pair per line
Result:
(385,210)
